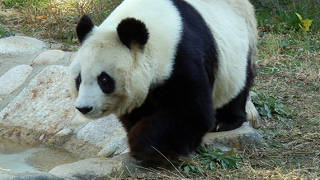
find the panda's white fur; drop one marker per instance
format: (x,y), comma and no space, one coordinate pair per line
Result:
(232,24)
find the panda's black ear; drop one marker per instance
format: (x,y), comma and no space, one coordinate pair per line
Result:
(84,27)
(133,32)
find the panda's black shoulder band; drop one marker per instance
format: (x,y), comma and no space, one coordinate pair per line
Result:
(131,30)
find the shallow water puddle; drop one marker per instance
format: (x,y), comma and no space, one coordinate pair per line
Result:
(18,158)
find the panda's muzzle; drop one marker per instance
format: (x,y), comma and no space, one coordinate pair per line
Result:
(84,110)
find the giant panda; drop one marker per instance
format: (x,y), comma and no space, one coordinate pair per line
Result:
(171,70)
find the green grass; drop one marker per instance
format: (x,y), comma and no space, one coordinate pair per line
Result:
(279,15)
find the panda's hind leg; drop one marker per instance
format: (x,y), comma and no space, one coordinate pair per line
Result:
(233,114)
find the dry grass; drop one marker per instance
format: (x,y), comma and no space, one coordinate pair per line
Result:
(55,20)
(288,70)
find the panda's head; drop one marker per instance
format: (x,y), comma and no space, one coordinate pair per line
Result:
(107,76)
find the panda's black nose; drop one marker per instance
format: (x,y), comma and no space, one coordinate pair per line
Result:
(84,110)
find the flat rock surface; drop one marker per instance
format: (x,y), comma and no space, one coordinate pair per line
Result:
(44,105)
(240,138)
(14,78)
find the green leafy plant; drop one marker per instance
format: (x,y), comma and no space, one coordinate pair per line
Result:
(269,107)
(212,160)
(304,23)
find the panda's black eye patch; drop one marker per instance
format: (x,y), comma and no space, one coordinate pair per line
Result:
(106,83)
(78,81)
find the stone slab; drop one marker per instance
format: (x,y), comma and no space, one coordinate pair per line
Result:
(45,105)
(240,138)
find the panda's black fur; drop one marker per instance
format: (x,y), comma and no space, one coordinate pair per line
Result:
(179,112)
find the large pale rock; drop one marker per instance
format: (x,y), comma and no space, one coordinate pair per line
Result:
(97,168)
(20,46)
(14,78)
(106,134)
(50,57)
(45,105)
(240,138)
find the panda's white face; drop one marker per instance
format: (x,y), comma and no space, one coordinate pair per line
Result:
(99,78)
(108,75)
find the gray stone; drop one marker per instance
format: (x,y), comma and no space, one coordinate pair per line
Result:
(50,57)
(97,168)
(14,78)
(20,46)
(240,138)
(44,107)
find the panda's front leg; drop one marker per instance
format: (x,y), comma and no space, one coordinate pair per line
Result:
(168,133)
